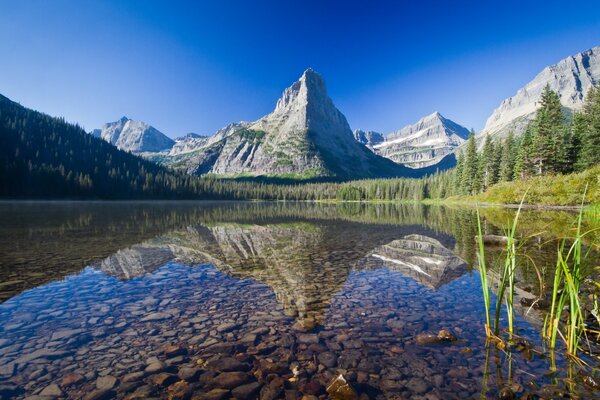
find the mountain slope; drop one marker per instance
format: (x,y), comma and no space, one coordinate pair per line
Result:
(305,136)
(571,78)
(42,156)
(134,136)
(422,144)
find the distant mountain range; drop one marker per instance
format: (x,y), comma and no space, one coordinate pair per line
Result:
(419,145)
(305,137)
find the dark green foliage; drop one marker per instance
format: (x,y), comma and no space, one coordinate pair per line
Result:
(589,132)
(42,156)
(471,174)
(251,134)
(524,164)
(548,134)
(507,158)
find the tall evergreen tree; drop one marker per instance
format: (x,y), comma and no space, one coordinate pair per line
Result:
(548,133)
(507,158)
(524,163)
(471,178)
(457,180)
(590,140)
(486,163)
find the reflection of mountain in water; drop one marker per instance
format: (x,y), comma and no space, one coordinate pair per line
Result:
(304,263)
(422,258)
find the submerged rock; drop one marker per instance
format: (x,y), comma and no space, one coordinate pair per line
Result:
(340,389)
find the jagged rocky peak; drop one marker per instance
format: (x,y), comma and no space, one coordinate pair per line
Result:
(311,84)
(305,135)
(134,136)
(368,138)
(571,78)
(423,143)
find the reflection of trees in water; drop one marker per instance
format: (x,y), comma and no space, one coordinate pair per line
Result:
(51,240)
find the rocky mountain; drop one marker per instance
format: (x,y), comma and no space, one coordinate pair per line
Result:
(188,143)
(424,143)
(571,78)
(133,136)
(305,136)
(368,138)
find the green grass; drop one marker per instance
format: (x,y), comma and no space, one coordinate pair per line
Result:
(562,190)
(569,276)
(506,287)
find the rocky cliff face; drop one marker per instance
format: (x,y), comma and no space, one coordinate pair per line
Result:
(134,136)
(571,78)
(305,136)
(368,138)
(422,144)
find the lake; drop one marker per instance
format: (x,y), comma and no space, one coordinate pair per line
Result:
(268,300)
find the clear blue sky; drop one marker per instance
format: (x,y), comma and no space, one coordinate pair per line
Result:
(196,66)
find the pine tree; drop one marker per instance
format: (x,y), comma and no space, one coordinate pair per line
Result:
(457,180)
(507,158)
(578,131)
(590,141)
(524,162)
(486,163)
(548,133)
(471,178)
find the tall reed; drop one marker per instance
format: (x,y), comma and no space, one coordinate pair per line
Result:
(483,275)
(507,275)
(569,275)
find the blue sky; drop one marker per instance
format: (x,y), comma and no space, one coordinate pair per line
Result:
(196,66)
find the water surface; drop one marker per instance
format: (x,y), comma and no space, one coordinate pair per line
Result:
(252,300)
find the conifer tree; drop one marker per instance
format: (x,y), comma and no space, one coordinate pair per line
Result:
(590,140)
(471,178)
(524,163)
(507,158)
(548,134)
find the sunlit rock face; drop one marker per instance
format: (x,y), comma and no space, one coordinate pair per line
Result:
(419,145)
(571,78)
(304,264)
(422,258)
(134,136)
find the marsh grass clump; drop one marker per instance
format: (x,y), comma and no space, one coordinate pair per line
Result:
(506,286)
(566,317)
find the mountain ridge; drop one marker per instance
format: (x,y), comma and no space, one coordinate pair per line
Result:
(570,77)
(422,144)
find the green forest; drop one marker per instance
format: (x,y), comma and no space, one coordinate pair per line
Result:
(556,157)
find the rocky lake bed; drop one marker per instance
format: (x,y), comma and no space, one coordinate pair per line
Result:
(270,307)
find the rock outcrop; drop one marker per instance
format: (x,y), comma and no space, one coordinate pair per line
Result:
(368,138)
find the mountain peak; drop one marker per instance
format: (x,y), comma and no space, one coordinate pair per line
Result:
(134,136)
(309,88)
(571,78)
(424,143)
(434,115)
